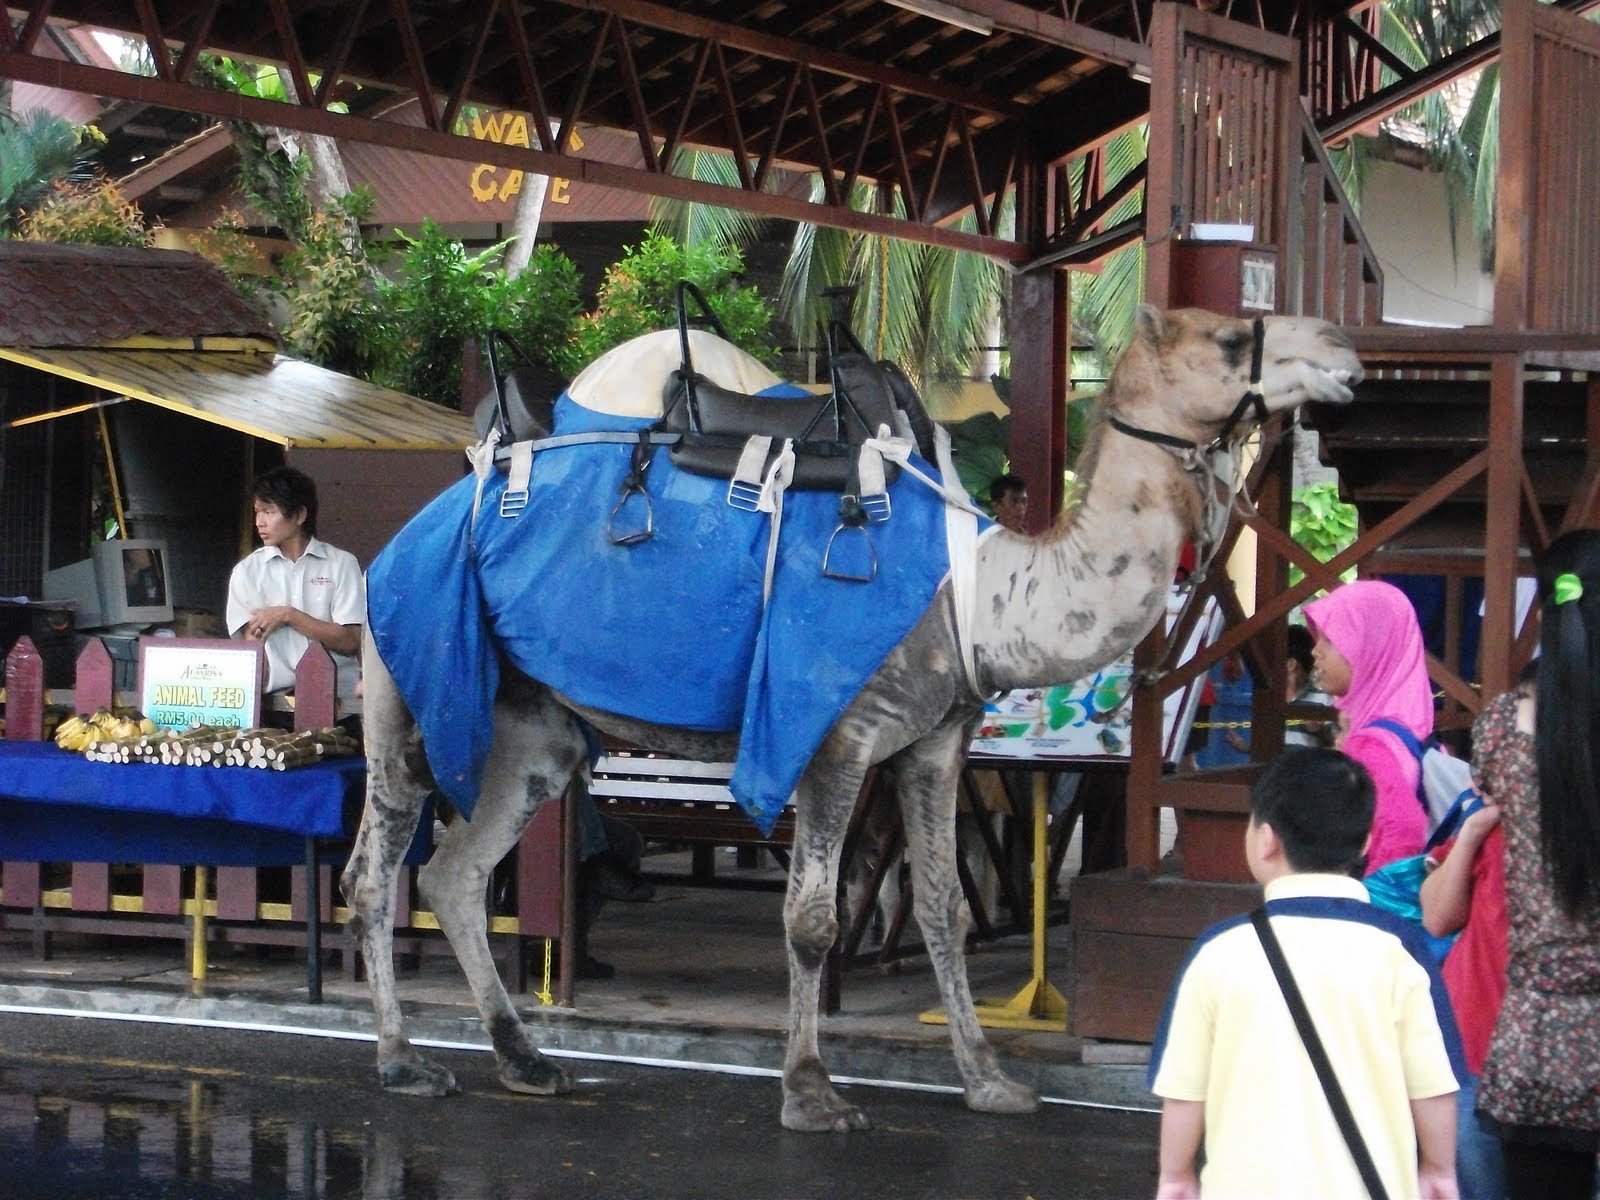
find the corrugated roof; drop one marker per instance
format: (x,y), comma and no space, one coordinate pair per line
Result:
(91,295)
(268,396)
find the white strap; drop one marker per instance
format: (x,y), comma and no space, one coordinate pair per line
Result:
(521,467)
(898,450)
(779,475)
(752,459)
(961,541)
(960,533)
(870,479)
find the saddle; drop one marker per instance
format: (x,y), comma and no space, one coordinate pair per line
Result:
(727,434)
(523,400)
(714,424)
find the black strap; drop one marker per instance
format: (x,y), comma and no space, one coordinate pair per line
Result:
(1319,1057)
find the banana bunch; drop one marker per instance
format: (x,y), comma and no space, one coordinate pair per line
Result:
(79,733)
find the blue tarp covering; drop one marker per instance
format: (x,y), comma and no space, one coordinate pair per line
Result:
(670,631)
(60,807)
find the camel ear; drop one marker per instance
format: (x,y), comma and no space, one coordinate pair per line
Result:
(1148,324)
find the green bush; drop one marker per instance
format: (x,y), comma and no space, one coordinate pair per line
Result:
(639,296)
(333,319)
(444,296)
(89,213)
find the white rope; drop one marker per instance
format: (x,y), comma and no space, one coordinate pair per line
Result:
(481,456)
(898,450)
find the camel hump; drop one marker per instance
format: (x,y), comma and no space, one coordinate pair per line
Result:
(627,381)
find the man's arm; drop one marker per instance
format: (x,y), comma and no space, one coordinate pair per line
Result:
(1435,1119)
(340,639)
(1182,1124)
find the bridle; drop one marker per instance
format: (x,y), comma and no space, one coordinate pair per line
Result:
(1199,459)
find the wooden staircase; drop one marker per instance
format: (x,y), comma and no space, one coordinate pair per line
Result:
(1408,428)
(1465,452)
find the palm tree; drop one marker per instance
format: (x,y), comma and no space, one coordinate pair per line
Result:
(38,148)
(1461,123)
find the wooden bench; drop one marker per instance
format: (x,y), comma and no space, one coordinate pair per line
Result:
(679,801)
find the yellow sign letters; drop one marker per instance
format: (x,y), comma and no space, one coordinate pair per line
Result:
(490,182)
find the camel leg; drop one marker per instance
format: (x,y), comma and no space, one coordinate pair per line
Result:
(397,787)
(824,802)
(537,747)
(927,774)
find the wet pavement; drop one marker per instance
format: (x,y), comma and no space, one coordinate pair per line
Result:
(117,1110)
(180,1095)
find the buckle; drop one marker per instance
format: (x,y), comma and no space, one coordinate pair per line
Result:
(877,507)
(513,502)
(744,494)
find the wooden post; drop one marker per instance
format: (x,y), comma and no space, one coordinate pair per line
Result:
(1503,523)
(24,692)
(1040,308)
(95,685)
(316,689)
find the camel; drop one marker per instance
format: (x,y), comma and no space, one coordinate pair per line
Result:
(1047,609)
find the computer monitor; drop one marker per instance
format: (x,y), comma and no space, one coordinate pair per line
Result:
(124,583)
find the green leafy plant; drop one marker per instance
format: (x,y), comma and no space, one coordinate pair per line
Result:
(1322,523)
(334,319)
(541,305)
(36,149)
(90,213)
(639,296)
(443,296)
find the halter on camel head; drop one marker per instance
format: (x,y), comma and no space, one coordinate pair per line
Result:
(1199,459)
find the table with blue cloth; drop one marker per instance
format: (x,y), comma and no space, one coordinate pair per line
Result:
(60,807)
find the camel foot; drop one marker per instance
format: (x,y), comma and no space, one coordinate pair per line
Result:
(810,1104)
(533,1075)
(1002,1095)
(414,1075)
(815,1114)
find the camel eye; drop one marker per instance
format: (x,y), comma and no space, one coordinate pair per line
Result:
(1235,345)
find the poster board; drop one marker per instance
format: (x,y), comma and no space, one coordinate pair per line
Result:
(185,682)
(1070,721)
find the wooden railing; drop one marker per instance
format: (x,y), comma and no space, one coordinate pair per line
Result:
(1332,271)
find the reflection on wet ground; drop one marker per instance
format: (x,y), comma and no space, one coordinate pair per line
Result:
(155,1138)
(119,1110)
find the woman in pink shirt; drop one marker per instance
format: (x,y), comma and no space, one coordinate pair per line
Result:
(1369,658)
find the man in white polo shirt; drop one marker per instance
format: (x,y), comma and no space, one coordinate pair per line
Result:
(296,589)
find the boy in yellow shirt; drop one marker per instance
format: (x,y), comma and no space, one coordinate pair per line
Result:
(1229,1062)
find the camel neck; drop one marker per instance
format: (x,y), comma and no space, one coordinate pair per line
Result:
(1054,608)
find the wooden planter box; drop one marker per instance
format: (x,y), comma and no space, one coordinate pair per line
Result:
(1213,810)
(1130,934)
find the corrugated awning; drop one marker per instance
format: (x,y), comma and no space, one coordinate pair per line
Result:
(268,396)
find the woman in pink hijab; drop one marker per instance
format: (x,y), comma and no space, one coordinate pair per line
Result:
(1369,658)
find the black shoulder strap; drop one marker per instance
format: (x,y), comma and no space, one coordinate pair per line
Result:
(1318,1056)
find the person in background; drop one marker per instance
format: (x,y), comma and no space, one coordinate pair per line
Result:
(296,589)
(1228,1060)
(1537,755)
(1298,689)
(1369,658)
(1232,695)
(1008,500)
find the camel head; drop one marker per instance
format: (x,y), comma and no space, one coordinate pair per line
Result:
(1186,370)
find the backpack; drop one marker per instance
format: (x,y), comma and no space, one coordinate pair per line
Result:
(1446,793)
(1444,786)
